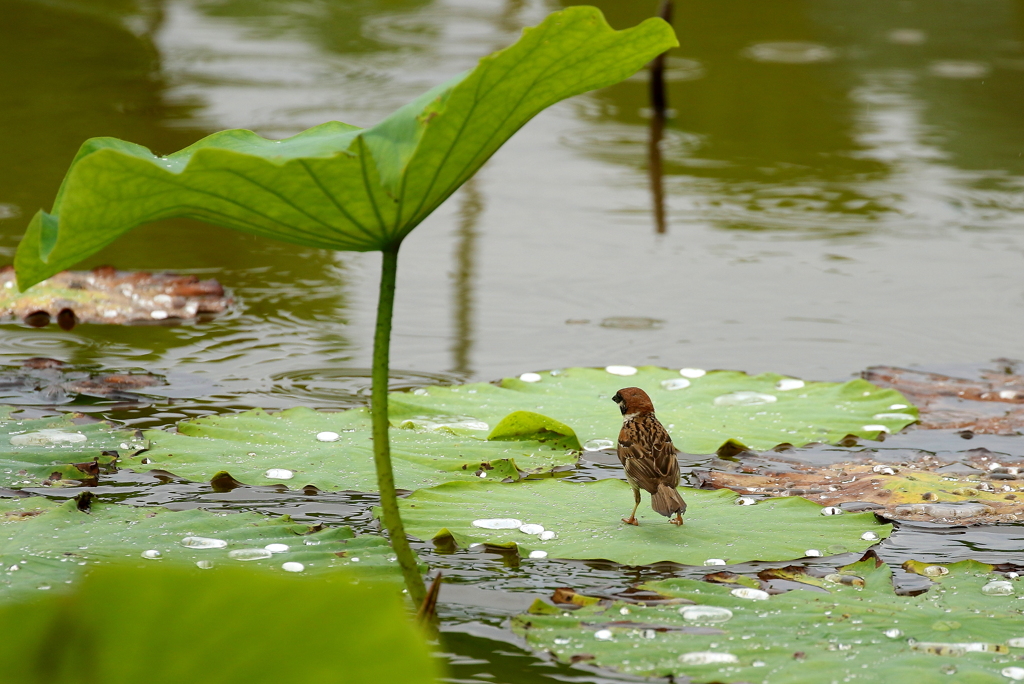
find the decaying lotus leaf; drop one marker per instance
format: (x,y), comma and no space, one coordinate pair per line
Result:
(993,404)
(106,295)
(908,492)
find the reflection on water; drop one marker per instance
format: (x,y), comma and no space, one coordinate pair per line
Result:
(463,277)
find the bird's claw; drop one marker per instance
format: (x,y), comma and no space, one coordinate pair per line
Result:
(631,521)
(677,521)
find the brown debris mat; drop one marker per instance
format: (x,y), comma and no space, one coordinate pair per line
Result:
(106,295)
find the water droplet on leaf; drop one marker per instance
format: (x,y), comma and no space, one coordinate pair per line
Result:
(249,554)
(276,548)
(327,436)
(530,377)
(498,523)
(292,566)
(745,398)
(692,373)
(279,473)
(787,384)
(621,370)
(705,613)
(707,658)
(151,554)
(675,384)
(749,593)
(998,588)
(203,543)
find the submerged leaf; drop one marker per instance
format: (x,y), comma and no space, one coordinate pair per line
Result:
(759,412)
(856,627)
(47,382)
(334,451)
(336,186)
(43,543)
(586,521)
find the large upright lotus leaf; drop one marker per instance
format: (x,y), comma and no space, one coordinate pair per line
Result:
(39,451)
(715,408)
(586,519)
(163,624)
(336,186)
(849,634)
(44,544)
(259,448)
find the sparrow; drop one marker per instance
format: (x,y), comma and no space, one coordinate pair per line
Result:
(648,456)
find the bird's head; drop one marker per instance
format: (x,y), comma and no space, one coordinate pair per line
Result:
(633,401)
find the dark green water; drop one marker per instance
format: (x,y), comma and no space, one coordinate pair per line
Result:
(842,188)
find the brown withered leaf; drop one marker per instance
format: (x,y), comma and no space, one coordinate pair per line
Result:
(993,404)
(106,295)
(994,493)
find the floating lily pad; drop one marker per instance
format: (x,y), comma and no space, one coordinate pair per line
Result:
(58,451)
(334,451)
(586,520)
(702,413)
(45,544)
(106,295)
(856,629)
(904,492)
(173,625)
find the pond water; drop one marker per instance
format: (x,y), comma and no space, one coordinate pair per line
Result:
(842,187)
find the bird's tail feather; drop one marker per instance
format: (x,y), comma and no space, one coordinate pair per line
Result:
(667,501)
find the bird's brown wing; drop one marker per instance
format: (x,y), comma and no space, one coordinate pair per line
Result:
(647,454)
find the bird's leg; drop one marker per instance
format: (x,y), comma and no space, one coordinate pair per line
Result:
(678,520)
(631,520)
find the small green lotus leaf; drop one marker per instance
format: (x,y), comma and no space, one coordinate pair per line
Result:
(336,186)
(41,451)
(586,519)
(167,624)
(759,412)
(527,425)
(334,451)
(46,544)
(848,632)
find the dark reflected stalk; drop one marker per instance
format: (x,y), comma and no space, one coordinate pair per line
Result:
(465,270)
(381,445)
(659,106)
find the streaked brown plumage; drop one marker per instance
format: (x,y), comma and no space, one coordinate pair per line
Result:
(648,456)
